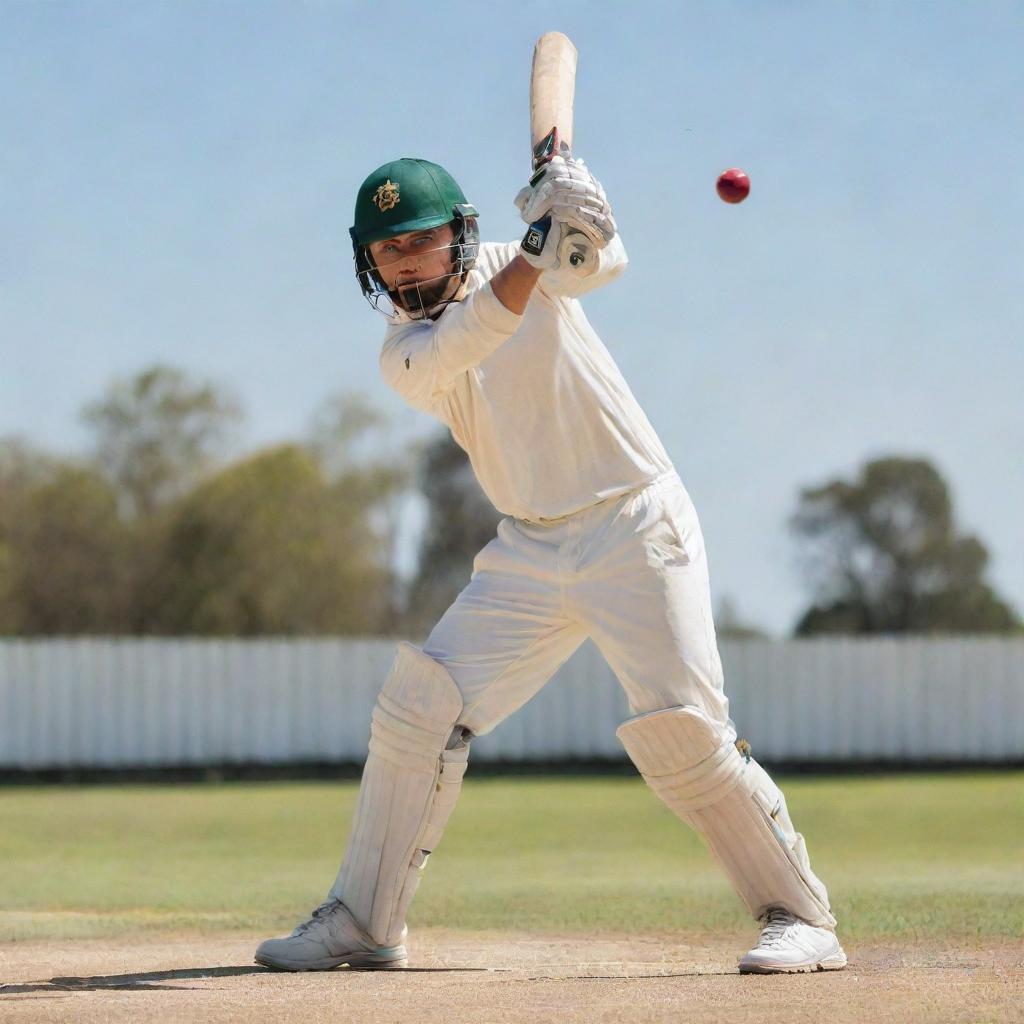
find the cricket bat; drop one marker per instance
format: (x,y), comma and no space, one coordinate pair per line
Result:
(552,88)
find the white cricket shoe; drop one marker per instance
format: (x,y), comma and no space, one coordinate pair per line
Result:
(788,945)
(327,940)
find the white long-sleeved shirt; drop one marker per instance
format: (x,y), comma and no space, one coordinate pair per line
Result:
(536,400)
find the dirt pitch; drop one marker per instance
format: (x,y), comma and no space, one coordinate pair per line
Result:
(503,978)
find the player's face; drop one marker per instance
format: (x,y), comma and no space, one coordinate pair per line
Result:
(415,257)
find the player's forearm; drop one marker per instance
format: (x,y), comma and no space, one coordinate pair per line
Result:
(514,284)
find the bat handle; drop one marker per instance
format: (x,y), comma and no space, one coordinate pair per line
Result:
(548,147)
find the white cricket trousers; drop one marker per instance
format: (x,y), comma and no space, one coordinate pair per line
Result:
(630,573)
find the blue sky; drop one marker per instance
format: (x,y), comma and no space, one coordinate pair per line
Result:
(176,184)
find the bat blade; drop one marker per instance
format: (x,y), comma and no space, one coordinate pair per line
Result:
(552,92)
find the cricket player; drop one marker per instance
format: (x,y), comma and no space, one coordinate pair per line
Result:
(600,540)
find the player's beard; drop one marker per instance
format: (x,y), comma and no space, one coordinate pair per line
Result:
(420,298)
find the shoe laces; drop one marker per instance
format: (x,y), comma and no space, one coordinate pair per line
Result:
(324,910)
(777,921)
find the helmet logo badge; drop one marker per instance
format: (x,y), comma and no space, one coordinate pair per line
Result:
(387,197)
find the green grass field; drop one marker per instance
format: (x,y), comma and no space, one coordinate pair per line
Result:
(917,857)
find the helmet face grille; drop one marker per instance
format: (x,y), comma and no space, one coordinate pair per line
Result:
(428,298)
(420,300)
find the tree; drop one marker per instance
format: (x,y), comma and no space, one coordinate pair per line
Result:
(22,466)
(347,432)
(355,446)
(882,555)
(295,539)
(460,521)
(63,568)
(268,545)
(156,434)
(730,625)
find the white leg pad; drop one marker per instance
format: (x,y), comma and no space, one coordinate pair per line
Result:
(733,805)
(409,787)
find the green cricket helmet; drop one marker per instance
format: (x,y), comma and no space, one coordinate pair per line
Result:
(410,195)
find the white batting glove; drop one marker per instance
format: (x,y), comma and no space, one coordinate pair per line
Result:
(567,192)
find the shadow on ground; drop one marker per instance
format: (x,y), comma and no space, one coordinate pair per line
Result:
(147,981)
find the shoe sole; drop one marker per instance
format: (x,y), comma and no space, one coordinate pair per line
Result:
(389,960)
(833,962)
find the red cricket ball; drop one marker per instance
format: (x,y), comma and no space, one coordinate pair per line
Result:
(733,185)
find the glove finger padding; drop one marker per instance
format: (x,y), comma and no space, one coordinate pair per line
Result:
(598,226)
(582,226)
(563,183)
(522,199)
(539,201)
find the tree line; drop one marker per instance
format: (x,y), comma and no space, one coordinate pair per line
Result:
(156,531)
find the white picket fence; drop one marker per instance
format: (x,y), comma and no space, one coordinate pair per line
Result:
(81,703)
